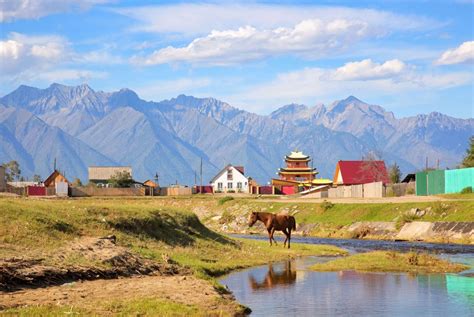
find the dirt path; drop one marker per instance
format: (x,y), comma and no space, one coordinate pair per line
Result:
(97,295)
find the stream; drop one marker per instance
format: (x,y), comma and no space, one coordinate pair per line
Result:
(289,288)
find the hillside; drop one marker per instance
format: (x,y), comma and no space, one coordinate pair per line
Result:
(80,127)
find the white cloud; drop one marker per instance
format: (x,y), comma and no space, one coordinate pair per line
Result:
(11,10)
(20,53)
(200,18)
(367,69)
(316,84)
(25,58)
(461,54)
(314,38)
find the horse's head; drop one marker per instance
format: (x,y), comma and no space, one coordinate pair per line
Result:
(252,218)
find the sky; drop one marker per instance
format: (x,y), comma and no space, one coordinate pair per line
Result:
(408,56)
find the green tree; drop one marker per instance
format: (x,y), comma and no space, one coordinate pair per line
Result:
(12,171)
(121,180)
(468,160)
(395,173)
(36,178)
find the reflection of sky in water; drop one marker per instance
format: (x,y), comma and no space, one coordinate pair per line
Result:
(295,291)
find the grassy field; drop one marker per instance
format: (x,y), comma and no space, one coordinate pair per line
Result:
(154,229)
(391,261)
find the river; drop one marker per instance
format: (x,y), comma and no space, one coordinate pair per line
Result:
(289,288)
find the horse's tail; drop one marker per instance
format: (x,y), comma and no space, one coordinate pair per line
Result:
(293,223)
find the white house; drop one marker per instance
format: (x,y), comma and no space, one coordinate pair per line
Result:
(230,179)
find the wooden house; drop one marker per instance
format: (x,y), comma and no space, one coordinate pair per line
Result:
(3,181)
(101,175)
(54,178)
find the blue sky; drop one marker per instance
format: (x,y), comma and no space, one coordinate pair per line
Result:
(407,56)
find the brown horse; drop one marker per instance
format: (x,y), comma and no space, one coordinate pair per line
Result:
(274,222)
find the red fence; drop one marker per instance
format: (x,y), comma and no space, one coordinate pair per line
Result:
(36,191)
(205,189)
(265,190)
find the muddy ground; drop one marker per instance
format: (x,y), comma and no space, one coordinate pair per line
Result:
(114,275)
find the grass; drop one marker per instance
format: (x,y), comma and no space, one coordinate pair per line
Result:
(154,229)
(135,307)
(225,199)
(346,214)
(390,261)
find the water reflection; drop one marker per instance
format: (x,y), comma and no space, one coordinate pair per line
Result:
(290,289)
(275,276)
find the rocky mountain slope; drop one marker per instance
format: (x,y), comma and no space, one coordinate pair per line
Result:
(80,127)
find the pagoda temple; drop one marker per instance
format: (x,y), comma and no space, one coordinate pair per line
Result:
(297,168)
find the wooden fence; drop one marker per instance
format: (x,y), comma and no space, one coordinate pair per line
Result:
(93,191)
(175,191)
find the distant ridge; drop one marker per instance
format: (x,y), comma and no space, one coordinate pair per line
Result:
(82,127)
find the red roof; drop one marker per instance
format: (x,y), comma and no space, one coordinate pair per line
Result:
(362,172)
(240,169)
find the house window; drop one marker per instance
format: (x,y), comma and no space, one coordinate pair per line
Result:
(239,185)
(229,185)
(219,186)
(229,175)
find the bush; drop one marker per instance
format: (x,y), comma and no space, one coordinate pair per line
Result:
(467,190)
(326,205)
(410,191)
(440,208)
(225,199)
(226,217)
(413,258)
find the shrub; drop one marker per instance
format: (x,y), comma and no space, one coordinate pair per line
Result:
(225,199)
(410,191)
(440,208)
(326,205)
(226,217)
(413,258)
(467,190)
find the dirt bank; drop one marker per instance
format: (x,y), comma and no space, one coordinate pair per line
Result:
(97,297)
(106,261)
(113,277)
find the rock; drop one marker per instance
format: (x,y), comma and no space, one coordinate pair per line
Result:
(420,213)
(216,218)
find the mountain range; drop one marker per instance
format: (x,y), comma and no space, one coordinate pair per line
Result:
(80,127)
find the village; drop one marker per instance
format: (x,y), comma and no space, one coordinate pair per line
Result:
(367,178)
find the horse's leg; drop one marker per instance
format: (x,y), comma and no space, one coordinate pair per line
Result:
(270,236)
(273,231)
(289,237)
(286,237)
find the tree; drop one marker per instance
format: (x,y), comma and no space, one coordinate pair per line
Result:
(36,178)
(395,173)
(121,180)
(12,171)
(468,160)
(370,167)
(77,182)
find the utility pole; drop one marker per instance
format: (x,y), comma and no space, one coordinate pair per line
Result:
(54,163)
(200,189)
